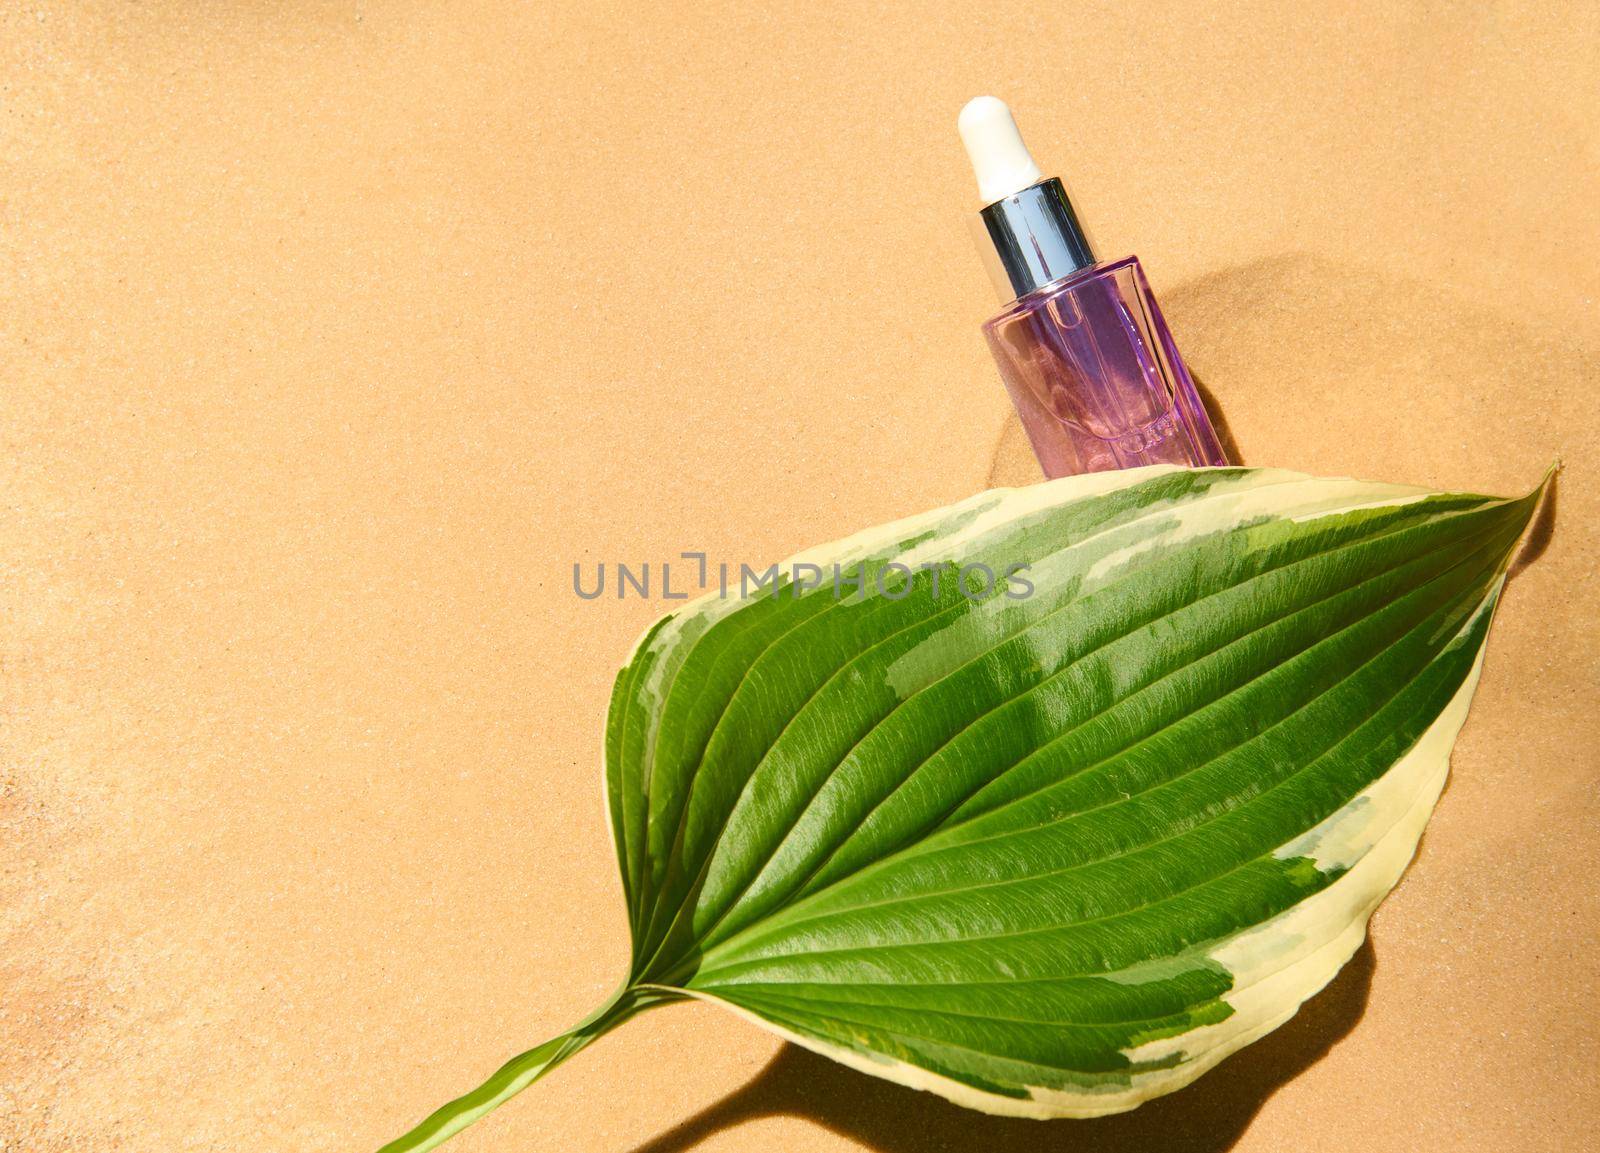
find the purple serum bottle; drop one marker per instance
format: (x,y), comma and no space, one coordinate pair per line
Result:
(1081,344)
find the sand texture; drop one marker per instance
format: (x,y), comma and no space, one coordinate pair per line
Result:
(332,336)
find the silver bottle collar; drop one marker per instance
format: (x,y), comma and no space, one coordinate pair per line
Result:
(1031,239)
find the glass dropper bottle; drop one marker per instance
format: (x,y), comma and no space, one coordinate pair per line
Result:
(1081,344)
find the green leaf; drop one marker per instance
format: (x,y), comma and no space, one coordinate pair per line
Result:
(1058,845)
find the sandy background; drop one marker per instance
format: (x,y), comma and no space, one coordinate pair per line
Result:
(332,336)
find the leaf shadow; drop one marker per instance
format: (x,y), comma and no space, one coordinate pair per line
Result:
(1540,532)
(1207,1117)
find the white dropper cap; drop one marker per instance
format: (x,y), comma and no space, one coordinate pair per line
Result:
(1000,159)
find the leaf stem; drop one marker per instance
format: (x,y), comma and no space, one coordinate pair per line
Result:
(521,1071)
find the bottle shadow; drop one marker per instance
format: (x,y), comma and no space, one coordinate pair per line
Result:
(1207,1117)
(1219,422)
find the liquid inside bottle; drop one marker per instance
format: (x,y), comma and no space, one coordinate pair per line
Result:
(1096,378)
